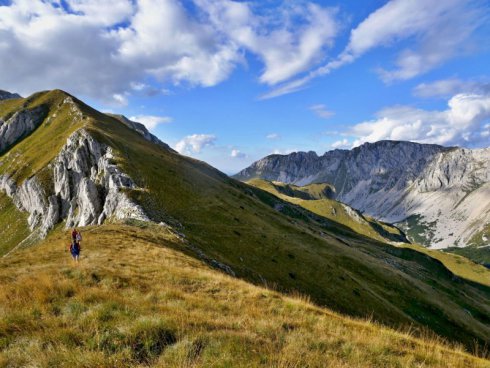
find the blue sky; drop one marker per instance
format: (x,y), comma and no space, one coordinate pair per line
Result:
(229,82)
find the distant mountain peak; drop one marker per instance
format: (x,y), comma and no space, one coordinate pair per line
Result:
(5,95)
(445,188)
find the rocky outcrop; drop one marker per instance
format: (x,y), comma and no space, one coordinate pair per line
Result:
(19,125)
(87,188)
(446,189)
(4,95)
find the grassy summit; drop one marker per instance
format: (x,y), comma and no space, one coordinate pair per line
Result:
(253,234)
(138,299)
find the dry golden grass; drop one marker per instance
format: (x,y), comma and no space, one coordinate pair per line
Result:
(137,299)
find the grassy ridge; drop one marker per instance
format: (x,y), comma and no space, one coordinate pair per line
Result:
(322,206)
(136,299)
(265,239)
(458,264)
(318,202)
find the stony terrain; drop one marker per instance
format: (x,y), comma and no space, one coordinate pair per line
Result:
(440,195)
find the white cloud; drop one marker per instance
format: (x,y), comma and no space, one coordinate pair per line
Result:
(120,99)
(462,123)
(321,111)
(151,121)
(286,47)
(195,143)
(439,29)
(170,45)
(273,136)
(436,30)
(343,143)
(237,154)
(106,49)
(450,87)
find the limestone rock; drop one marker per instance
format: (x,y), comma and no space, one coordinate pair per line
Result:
(87,188)
(21,124)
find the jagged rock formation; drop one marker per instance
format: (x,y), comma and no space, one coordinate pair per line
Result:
(81,185)
(86,189)
(5,95)
(442,194)
(19,125)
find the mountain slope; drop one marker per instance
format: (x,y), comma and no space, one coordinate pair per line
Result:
(317,199)
(81,167)
(439,195)
(150,304)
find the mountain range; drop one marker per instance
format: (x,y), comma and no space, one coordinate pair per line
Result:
(439,195)
(64,164)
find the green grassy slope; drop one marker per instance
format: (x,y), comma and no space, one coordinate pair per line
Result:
(315,198)
(137,300)
(333,210)
(267,240)
(460,265)
(15,228)
(479,255)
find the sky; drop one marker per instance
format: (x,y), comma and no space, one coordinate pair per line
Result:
(229,82)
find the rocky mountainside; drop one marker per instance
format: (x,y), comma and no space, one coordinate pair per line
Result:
(440,195)
(80,185)
(72,165)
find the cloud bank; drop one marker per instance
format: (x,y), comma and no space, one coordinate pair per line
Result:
(465,122)
(435,31)
(195,143)
(107,50)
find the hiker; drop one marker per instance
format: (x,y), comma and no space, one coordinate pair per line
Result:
(75,246)
(75,249)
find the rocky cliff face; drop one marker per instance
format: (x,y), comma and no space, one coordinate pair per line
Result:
(86,188)
(440,194)
(19,125)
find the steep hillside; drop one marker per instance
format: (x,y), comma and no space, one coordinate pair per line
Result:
(439,196)
(317,199)
(81,167)
(137,299)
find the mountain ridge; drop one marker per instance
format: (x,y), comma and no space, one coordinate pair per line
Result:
(393,180)
(229,225)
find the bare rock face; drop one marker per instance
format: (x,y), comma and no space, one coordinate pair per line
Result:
(87,188)
(446,189)
(89,185)
(21,124)
(4,95)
